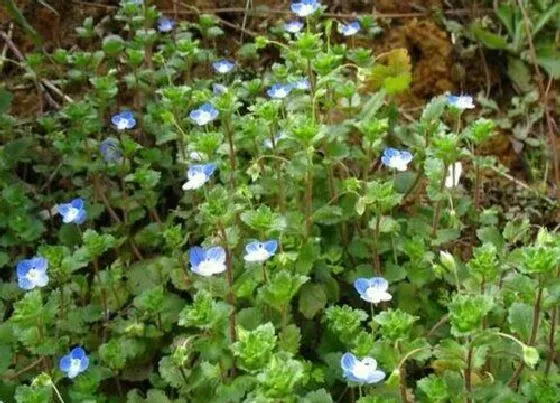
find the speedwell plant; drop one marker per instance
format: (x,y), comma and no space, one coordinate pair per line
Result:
(192,226)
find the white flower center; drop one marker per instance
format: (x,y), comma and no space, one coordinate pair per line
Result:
(281,93)
(373,294)
(33,275)
(208,267)
(362,370)
(398,163)
(195,181)
(307,9)
(122,124)
(258,255)
(204,117)
(72,214)
(74,368)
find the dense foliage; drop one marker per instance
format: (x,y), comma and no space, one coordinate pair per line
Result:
(193,228)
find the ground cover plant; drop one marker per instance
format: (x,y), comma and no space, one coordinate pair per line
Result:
(190,226)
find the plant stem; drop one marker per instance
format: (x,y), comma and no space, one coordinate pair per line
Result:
(232,162)
(231,295)
(536,313)
(476,182)
(468,372)
(437,208)
(402,373)
(551,340)
(309,195)
(377,261)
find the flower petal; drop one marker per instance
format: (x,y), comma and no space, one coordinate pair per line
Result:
(196,255)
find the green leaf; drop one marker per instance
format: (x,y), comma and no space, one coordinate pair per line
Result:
(312,299)
(491,40)
(328,215)
(5,100)
(317,396)
(254,348)
(113,44)
(520,319)
(548,57)
(434,388)
(289,339)
(530,356)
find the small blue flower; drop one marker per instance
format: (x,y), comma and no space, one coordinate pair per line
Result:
(305,8)
(198,175)
(361,371)
(279,136)
(397,159)
(32,273)
(293,27)
(204,115)
(207,262)
(165,24)
(260,251)
(74,362)
(73,211)
(373,290)
(219,89)
(124,120)
(223,66)
(349,29)
(279,91)
(460,102)
(110,150)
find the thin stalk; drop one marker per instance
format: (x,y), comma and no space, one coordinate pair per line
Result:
(402,373)
(536,313)
(551,340)
(468,372)
(477,178)
(103,299)
(309,195)
(231,295)
(437,208)
(232,162)
(377,261)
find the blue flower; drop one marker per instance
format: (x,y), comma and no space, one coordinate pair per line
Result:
(73,211)
(349,29)
(74,362)
(279,91)
(165,24)
(305,8)
(302,84)
(198,175)
(373,290)
(32,273)
(260,251)
(293,26)
(362,371)
(223,66)
(204,115)
(397,159)
(110,150)
(207,262)
(124,120)
(279,136)
(219,89)
(460,102)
